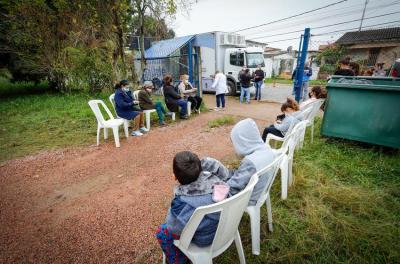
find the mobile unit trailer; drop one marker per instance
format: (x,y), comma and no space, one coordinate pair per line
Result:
(228,53)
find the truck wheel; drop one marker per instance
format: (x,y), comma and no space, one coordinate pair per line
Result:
(231,88)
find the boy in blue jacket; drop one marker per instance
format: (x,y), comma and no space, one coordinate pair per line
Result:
(196,181)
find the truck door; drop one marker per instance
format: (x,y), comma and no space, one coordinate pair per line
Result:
(235,63)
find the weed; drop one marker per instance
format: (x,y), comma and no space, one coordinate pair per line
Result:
(221,121)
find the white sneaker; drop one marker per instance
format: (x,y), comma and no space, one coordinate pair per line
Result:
(143,130)
(216,109)
(136,133)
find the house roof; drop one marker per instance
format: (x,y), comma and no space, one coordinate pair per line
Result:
(164,48)
(367,36)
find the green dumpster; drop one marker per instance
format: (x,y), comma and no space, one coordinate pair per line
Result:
(363,111)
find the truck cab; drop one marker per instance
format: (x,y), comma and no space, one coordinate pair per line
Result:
(235,59)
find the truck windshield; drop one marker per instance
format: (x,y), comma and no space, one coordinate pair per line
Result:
(254,59)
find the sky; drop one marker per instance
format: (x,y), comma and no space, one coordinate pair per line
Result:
(233,15)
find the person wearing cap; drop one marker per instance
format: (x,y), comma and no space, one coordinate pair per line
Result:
(146,103)
(125,108)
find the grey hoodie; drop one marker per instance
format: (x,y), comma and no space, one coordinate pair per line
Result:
(257,155)
(295,117)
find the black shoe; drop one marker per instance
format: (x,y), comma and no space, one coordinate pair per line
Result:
(185,117)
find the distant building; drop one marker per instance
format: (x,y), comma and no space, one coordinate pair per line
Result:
(370,47)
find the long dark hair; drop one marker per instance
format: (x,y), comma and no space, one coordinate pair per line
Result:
(120,84)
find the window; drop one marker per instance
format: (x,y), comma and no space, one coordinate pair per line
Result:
(254,59)
(237,59)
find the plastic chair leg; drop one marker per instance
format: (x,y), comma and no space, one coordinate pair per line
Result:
(290,172)
(173,116)
(312,132)
(164,261)
(189,108)
(98,135)
(284,177)
(126,127)
(254,213)
(105,133)
(269,213)
(116,136)
(239,247)
(148,120)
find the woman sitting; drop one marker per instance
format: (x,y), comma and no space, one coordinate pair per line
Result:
(291,114)
(187,91)
(172,99)
(146,103)
(125,108)
(317,92)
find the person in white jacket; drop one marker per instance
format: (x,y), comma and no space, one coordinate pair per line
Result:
(221,89)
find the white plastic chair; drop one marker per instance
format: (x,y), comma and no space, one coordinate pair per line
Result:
(254,210)
(102,123)
(231,212)
(288,146)
(311,111)
(126,121)
(146,112)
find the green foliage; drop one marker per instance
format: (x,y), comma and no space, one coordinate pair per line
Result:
(327,68)
(19,88)
(329,58)
(343,208)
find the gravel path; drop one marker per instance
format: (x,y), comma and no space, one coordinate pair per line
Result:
(103,204)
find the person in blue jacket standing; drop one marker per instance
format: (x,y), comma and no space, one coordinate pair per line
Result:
(306,78)
(124,106)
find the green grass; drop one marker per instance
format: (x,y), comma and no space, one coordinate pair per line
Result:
(286,81)
(343,208)
(225,120)
(8,89)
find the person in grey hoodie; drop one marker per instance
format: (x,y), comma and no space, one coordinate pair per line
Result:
(256,155)
(291,116)
(197,184)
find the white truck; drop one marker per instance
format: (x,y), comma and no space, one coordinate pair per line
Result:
(228,53)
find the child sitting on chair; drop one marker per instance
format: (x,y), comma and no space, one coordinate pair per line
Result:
(200,184)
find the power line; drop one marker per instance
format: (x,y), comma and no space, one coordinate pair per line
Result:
(320,17)
(286,18)
(331,25)
(327,33)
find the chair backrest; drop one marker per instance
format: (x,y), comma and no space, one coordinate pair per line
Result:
(231,212)
(136,95)
(112,101)
(311,110)
(94,105)
(273,169)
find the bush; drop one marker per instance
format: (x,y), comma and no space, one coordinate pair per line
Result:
(8,88)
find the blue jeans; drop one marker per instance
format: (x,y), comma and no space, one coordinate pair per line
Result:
(304,90)
(221,100)
(160,111)
(258,89)
(183,104)
(244,92)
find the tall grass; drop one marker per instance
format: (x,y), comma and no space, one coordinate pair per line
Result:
(8,88)
(343,208)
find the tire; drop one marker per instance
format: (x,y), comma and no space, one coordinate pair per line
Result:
(231,88)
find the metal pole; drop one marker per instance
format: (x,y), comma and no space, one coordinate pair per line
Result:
(297,65)
(300,71)
(190,61)
(363,13)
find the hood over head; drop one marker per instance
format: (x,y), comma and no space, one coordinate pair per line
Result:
(246,138)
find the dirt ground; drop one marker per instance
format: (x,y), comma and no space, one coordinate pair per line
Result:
(103,204)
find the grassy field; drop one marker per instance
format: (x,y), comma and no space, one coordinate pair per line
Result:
(33,123)
(343,208)
(286,81)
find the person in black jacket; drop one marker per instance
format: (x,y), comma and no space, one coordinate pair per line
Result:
(245,78)
(344,69)
(258,76)
(172,99)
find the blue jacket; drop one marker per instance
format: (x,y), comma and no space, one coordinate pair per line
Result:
(124,104)
(307,74)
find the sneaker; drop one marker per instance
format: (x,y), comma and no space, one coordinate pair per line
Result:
(217,109)
(162,123)
(169,114)
(143,130)
(185,117)
(136,133)
(222,109)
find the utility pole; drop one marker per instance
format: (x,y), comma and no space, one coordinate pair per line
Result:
(363,13)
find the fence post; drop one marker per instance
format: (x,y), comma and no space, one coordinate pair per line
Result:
(300,68)
(190,61)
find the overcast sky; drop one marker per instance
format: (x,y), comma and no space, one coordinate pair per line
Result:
(232,15)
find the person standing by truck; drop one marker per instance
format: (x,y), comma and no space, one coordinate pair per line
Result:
(221,89)
(258,76)
(245,78)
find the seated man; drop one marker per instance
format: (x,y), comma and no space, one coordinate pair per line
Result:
(146,103)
